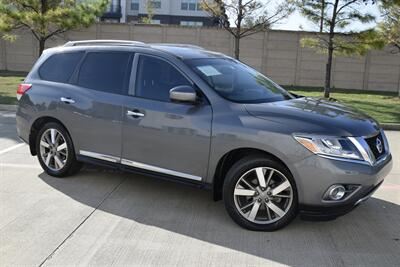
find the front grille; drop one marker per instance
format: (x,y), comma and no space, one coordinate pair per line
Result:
(376,142)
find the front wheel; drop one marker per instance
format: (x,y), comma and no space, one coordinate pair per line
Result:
(55,151)
(260,194)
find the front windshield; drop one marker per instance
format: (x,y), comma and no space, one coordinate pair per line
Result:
(237,82)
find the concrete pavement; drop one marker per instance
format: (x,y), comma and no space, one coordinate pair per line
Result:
(109,218)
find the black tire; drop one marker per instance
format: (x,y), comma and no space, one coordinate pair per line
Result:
(71,166)
(240,168)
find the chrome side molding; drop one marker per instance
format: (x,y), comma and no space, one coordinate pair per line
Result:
(134,113)
(100,156)
(160,170)
(139,165)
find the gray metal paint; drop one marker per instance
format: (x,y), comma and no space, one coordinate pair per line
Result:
(94,121)
(179,134)
(192,139)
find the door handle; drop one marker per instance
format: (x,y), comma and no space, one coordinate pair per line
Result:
(67,100)
(135,113)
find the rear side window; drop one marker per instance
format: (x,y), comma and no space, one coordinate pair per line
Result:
(105,71)
(155,77)
(59,67)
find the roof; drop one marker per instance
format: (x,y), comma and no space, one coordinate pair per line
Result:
(183,51)
(188,52)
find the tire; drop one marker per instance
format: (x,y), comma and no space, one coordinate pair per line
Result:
(242,188)
(66,163)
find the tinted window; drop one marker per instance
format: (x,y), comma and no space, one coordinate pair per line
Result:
(105,71)
(156,77)
(59,67)
(237,82)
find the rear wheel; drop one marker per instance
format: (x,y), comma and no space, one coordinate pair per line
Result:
(56,153)
(260,194)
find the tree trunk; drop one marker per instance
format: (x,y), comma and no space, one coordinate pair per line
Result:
(42,42)
(321,25)
(237,47)
(238,29)
(327,87)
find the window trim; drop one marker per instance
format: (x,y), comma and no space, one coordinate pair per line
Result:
(125,86)
(197,6)
(184,3)
(191,23)
(134,75)
(156,1)
(134,2)
(77,66)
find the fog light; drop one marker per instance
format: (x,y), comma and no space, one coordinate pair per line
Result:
(336,192)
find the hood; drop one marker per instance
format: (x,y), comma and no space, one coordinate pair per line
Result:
(316,116)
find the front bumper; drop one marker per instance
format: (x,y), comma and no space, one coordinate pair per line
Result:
(328,213)
(317,174)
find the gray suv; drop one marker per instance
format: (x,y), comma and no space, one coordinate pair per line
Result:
(183,113)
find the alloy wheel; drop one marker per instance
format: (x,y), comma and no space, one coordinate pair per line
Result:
(53,149)
(263,195)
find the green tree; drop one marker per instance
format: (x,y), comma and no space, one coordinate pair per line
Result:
(336,16)
(148,19)
(47,18)
(248,16)
(390,26)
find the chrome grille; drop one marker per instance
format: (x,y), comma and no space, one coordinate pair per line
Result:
(377,145)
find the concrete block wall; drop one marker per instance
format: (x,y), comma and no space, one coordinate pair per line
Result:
(278,54)
(383,70)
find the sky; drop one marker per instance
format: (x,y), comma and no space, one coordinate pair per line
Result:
(297,22)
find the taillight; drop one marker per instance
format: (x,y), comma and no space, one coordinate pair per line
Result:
(22,88)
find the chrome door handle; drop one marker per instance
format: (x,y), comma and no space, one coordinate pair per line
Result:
(135,113)
(67,100)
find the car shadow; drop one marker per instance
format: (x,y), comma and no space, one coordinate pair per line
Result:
(365,236)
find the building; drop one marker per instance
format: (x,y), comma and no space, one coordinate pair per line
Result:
(175,12)
(116,12)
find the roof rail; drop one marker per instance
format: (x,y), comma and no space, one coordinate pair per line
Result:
(178,45)
(104,42)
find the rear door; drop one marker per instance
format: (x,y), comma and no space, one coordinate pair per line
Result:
(91,107)
(160,135)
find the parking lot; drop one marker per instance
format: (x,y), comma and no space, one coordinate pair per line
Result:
(109,218)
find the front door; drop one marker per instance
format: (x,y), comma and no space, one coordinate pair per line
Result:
(163,136)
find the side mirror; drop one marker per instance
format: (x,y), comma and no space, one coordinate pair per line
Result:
(183,93)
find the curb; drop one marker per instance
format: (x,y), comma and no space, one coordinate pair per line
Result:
(390,126)
(385,126)
(4,107)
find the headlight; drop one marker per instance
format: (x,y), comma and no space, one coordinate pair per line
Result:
(340,147)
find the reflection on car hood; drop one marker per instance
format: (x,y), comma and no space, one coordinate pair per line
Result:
(317,116)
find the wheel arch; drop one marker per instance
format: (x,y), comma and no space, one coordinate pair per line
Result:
(35,128)
(229,159)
